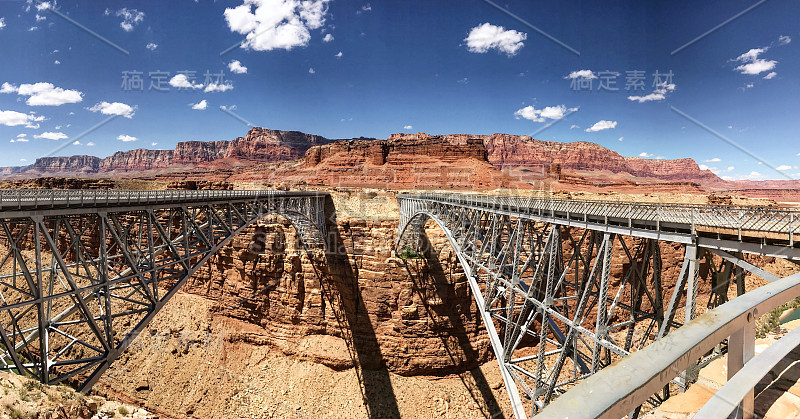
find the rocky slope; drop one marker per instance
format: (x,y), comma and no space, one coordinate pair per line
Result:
(23,397)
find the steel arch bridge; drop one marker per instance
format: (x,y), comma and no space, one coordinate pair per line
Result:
(540,270)
(83,272)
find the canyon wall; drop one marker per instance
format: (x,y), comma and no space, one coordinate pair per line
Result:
(259,145)
(368,309)
(523,151)
(403,160)
(422,163)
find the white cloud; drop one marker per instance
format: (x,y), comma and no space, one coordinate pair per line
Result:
(659,93)
(200,106)
(484,37)
(43,6)
(539,115)
(784,39)
(182,82)
(76,143)
(583,74)
(90,144)
(2,22)
(784,167)
(13,119)
(214,87)
(408,127)
(56,62)
(366,8)
(55,136)
(153,144)
(130,18)
(338,55)
(236,67)
(116,108)
(770,76)
(23,160)
(754,65)
(327,38)
(276,24)
(228,108)
(126,138)
(151,46)
(646,155)
(40,18)
(573,126)
(714,160)
(8,88)
(22,135)
(620,138)
(601,125)
(43,94)
(311,70)
(752,176)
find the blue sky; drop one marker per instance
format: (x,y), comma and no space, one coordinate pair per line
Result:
(345,69)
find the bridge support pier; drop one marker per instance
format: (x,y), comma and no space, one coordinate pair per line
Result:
(741,348)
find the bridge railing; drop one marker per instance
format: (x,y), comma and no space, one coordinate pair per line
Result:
(617,390)
(739,218)
(34,198)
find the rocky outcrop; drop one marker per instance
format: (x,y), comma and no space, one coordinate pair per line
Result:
(266,145)
(139,159)
(58,183)
(430,162)
(370,308)
(85,164)
(193,152)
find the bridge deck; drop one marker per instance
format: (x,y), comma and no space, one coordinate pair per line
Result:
(669,221)
(15,201)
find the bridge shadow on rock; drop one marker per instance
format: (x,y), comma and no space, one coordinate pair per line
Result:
(338,276)
(431,280)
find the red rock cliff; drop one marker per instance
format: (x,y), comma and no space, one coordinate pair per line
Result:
(266,145)
(523,151)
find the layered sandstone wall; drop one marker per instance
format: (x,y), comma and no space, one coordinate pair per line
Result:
(259,145)
(139,159)
(87,164)
(523,151)
(266,145)
(368,308)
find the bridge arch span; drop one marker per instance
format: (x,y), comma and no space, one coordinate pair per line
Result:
(412,227)
(83,275)
(567,288)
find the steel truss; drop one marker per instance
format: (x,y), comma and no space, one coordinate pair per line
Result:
(79,282)
(554,312)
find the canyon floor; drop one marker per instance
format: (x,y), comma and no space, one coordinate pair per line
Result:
(225,376)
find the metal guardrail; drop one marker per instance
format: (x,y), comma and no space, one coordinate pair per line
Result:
(738,218)
(48,198)
(725,400)
(615,391)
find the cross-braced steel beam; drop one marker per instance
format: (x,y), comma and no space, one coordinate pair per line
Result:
(568,288)
(81,275)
